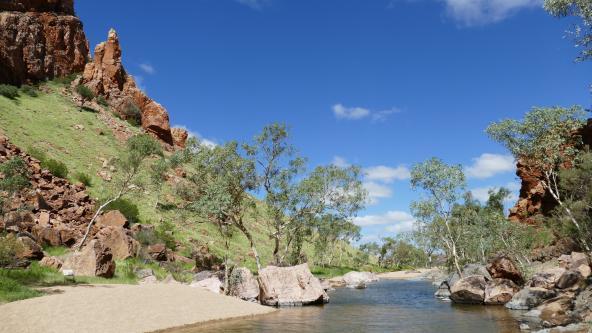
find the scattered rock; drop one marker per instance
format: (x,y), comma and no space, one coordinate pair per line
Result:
(93,260)
(29,250)
(212,284)
(290,286)
(158,252)
(469,290)
(569,279)
(529,298)
(51,262)
(557,312)
(112,218)
(547,278)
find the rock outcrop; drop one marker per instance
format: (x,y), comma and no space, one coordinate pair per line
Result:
(290,286)
(40,39)
(106,76)
(180,136)
(243,285)
(94,259)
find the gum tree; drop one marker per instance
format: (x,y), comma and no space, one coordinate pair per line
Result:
(581,33)
(546,141)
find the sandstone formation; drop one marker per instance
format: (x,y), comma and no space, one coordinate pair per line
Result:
(180,136)
(95,259)
(290,286)
(106,76)
(40,39)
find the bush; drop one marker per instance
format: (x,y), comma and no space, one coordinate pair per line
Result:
(165,232)
(84,179)
(102,101)
(37,153)
(127,208)
(65,80)
(29,90)
(85,92)
(9,247)
(132,114)
(9,91)
(57,168)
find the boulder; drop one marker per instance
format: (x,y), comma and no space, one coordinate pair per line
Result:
(212,284)
(47,235)
(574,260)
(584,270)
(204,260)
(202,275)
(290,286)
(358,280)
(94,259)
(583,304)
(569,279)
(502,267)
(51,262)
(29,249)
(468,270)
(547,278)
(112,218)
(144,273)
(242,284)
(557,312)
(529,298)
(469,290)
(120,242)
(443,291)
(337,282)
(500,291)
(157,252)
(326,285)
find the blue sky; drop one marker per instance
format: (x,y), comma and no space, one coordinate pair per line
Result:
(383,84)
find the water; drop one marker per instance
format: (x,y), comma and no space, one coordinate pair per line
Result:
(386,306)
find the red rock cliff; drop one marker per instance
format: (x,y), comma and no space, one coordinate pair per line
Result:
(40,39)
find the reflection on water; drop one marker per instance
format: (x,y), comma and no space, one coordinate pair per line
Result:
(387,306)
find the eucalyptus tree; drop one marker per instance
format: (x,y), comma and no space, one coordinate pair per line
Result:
(581,33)
(546,141)
(219,190)
(443,186)
(130,163)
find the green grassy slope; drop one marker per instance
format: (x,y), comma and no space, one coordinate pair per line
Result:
(47,122)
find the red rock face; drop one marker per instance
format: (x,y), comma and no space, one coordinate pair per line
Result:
(534,200)
(40,39)
(179,137)
(106,76)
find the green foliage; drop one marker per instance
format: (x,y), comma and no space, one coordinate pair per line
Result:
(37,153)
(132,114)
(127,208)
(85,92)
(55,251)
(399,253)
(9,91)
(16,175)
(65,80)
(9,247)
(582,34)
(57,168)
(165,232)
(102,101)
(29,90)
(11,290)
(84,178)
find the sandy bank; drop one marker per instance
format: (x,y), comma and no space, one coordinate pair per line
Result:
(408,275)
(121,308)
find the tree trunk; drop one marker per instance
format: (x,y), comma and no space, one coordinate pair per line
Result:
(247,234)
(92,221)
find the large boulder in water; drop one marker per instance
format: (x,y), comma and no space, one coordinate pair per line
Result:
(469,290)
(502,267)
(500,291)
(529,298)
(95,259)
(290,286)
(242,284)
(358,280)
(468,270)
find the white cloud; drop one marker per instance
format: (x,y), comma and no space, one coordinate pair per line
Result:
(147,68)
(204,141)
(340,162)
(479,12)
(394,221)
(387,174)
(355,113)
(482,193)
(488,165)
(254,4)
(377,191)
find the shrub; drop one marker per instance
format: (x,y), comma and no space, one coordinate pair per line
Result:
(84,179)
(9,247)
(127,208)
(85,92)
(65,80)
(132,114)
(29,90)
(9,91)
(37,153)
(165,232)
(102,101)
(57,168)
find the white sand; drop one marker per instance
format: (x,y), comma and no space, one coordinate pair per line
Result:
(121,308)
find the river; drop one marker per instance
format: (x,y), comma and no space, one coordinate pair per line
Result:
(385,306)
